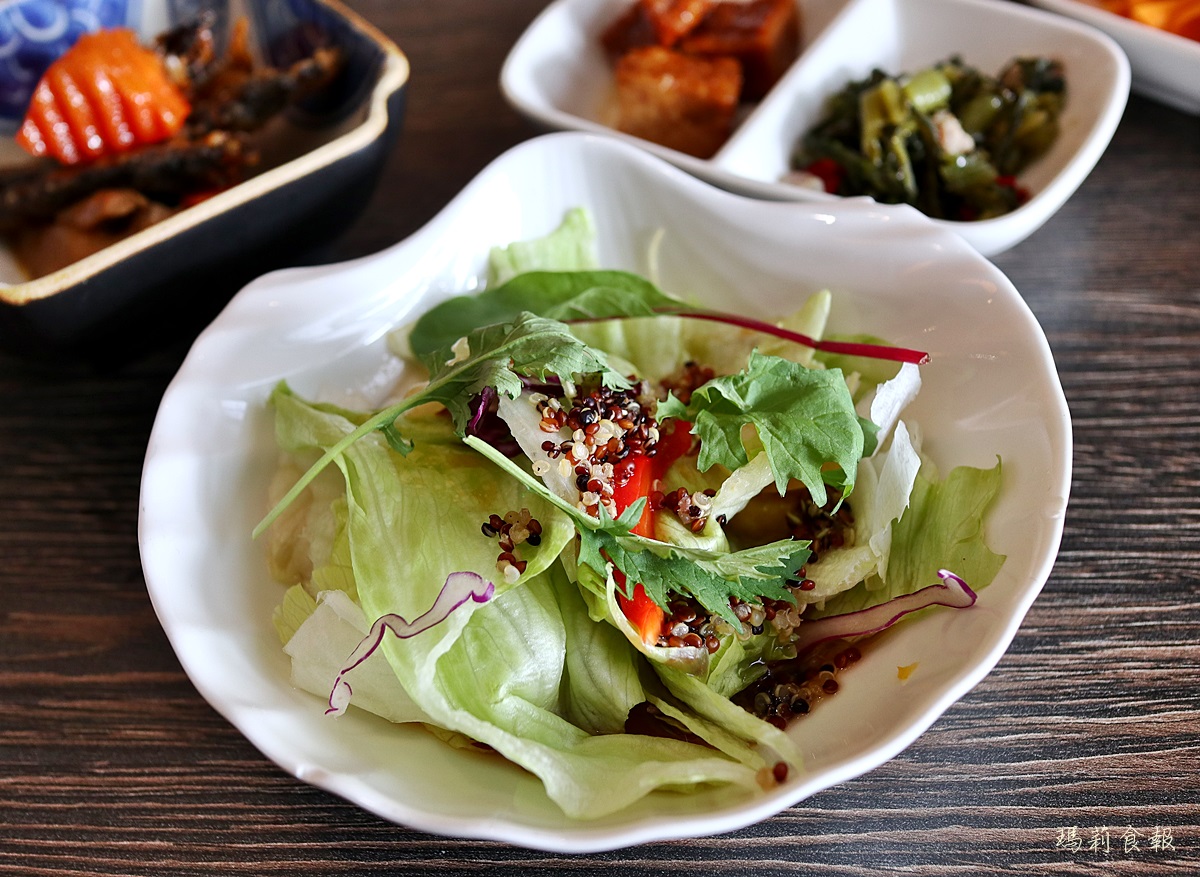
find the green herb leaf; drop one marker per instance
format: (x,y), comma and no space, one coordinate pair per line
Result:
(663,569)
(500,355)
(712,578)
(805,419)
(494,356)
(557,295)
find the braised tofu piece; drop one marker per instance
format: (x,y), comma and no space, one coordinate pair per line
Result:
(654,23)
(631,30)
(674,19)
(680,101)
(764,35)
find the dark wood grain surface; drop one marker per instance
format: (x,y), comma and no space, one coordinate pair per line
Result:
(1079,754)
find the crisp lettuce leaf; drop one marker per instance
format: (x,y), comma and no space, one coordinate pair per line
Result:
(943,528)
(653,347)
(290,614)
(502,677)
(318,649)
(809,319)
(570,247)
(441,487)
(497,672)
(885,484)
(888,400)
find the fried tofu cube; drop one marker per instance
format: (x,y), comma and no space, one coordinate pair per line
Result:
(631,30)
(654,23)
(680,101)
(674,19)
(764,35)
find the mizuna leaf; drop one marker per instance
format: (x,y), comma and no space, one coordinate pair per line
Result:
(493,356)
(713,579)
(499,355)
(804,417)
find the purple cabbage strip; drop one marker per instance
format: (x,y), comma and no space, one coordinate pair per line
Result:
(459,589)
(483,404)
(488,426)
(953,592)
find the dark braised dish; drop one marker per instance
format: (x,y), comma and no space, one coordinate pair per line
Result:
(123,136)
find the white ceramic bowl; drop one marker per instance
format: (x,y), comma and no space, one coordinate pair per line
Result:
(991,389)
(1166,66)
(557,75)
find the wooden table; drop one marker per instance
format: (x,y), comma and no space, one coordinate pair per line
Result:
(1079,754)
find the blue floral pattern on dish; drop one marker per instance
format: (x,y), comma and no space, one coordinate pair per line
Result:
(35,32)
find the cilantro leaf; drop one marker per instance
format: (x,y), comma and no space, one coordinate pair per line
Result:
(804,417)
(664,569)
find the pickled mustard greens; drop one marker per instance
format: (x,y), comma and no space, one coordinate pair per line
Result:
(949,139)
(536,549)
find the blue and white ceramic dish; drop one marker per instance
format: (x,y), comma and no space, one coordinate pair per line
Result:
(324,156)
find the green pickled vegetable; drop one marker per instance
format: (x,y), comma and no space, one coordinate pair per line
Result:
(947,139)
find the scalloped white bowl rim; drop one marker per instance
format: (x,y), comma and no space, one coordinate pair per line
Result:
(991,389)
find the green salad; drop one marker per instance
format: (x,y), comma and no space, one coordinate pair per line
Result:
(620,540)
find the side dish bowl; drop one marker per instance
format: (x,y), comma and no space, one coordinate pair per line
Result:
(1166,67)
(557,75)
(991,390)
(320,161)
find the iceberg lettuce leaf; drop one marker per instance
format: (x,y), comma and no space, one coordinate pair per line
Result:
(570,247)
(943,528)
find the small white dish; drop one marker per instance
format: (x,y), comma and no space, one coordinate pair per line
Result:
(991,389)
(1166,66)
(558,76)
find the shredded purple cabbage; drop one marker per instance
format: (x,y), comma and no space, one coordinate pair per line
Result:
(487,425)
(459,589)
(953,592)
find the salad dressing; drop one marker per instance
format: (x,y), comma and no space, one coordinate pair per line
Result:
(789,689)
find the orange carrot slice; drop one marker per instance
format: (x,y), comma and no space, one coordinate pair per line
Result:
(106,94)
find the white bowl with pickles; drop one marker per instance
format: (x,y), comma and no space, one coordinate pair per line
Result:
(840,46)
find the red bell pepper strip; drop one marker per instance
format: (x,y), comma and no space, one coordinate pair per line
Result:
(829,172)
(645,473)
